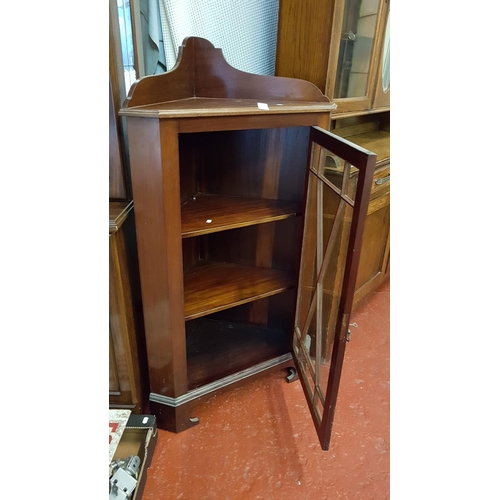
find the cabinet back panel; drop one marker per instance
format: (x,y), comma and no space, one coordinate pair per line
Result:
(189,159)
(217,349)
(264,163)
(279,313)
(274,244)
(282,311)
(190,253)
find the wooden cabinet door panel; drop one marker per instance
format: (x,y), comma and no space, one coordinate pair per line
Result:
(124,376)
(374,249)
(119,376)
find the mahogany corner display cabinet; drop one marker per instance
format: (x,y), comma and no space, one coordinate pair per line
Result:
(249,217)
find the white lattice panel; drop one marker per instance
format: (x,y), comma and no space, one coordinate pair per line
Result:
(245,30)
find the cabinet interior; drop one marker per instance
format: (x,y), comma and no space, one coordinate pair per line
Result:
(242,197)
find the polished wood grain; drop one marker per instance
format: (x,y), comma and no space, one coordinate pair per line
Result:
(365,112)
(206,214)
(249,246)
(381,183)
(197,131)
(248,122)
(114,376)
(127,356)
(199,106)
(128,373)
(377,141)
(155,176)
(257,163)
(304,32)
(117,183)
(202,71)
(179,414)
(217,349)
(374,250)
(118,213)
(254,164)
(308,42)
(372,132)
(375,247)
(216,286)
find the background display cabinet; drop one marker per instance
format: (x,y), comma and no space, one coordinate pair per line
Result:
(373,133)
(248,240)
(128,381)
(343,47)
(128,375)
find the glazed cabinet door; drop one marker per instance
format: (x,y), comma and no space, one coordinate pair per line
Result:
(357,36)
(339,183)
(383,83)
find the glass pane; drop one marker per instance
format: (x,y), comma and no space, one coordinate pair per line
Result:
(309,269)
(332,285)
(305,368)
(341,175)
(386,67)
(355,50)
(319,406)
(328,220)
(329,256)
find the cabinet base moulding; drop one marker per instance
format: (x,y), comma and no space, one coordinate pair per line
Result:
(175,414)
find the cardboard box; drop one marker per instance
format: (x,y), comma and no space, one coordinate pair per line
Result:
(138,438)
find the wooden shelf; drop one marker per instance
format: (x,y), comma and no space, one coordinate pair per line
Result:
(216,286)
(377,141)
(204,106)
(118,212)
(225,212)
(217,349)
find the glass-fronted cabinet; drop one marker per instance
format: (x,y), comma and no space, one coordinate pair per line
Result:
(341,46)
(355,48)
(358,46)
(383,87)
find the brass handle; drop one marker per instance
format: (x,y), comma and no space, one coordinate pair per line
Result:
(383,181)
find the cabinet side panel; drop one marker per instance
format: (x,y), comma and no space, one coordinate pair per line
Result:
(155,177)
(304,31)
(120,328)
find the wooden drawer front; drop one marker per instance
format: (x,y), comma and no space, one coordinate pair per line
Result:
(381,181)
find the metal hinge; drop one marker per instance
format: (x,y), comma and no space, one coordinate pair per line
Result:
(355,325)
